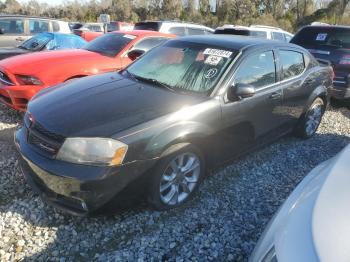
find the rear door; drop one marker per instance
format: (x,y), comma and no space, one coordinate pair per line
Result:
(298,80)
(14,32)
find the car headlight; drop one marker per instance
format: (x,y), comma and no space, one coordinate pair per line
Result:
(270,256)
(28,80)
(93,151)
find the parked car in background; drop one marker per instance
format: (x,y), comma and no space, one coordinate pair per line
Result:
(15,29)
(189,104)
(22,77)
(113,26)
(313,223)
(44,42)
(94,27)
(331,43)
(259,31)
(174,27)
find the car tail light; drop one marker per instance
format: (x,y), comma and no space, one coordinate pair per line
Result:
(345,60)
(28,80)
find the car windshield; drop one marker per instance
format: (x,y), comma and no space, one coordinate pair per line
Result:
(183,66)
(316,37)
(109,44)
(37,42)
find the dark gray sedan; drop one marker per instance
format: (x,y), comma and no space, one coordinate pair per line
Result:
(185,106)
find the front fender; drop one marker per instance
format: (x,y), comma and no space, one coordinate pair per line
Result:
(183,132)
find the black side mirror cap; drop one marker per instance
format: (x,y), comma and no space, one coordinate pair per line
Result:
(2,31)
(134,54)
(241,91)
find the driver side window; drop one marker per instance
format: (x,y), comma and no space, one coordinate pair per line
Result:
(257,70)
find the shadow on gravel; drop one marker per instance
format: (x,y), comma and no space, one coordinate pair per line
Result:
(122,229)
(6,134)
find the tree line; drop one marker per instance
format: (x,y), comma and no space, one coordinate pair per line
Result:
(288,14)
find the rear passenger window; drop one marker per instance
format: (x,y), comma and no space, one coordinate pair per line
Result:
(292,63)
(195,31)
(55,26)
(38,26)
(12,26)
(180,31)
(278,36)
(258,34)
(257,70)
(149,43)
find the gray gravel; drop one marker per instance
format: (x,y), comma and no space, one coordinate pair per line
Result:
(222,223)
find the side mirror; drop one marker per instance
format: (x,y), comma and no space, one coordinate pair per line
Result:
(2,31)
(134,54)
(241,91)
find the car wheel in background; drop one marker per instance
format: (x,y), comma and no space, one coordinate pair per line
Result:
(310,121)
(176,178)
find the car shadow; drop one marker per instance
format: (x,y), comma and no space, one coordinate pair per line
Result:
(118,225)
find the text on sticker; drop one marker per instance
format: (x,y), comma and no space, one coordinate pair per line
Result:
(217,52)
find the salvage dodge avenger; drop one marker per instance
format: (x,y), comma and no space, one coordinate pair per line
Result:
(184,106)
(22,77)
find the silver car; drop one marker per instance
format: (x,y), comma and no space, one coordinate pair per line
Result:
(15,29)
(314,222)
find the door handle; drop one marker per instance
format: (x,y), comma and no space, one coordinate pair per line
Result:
(309,81)
(276,95)
(19,39)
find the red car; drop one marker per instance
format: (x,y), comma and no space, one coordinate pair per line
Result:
(23,76)
(89,35)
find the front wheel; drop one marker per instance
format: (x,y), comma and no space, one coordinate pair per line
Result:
(176,178)
(310,121)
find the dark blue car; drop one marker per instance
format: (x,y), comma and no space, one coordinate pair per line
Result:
(44,42)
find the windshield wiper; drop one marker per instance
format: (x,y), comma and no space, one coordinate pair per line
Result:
(22,47)
(152,81)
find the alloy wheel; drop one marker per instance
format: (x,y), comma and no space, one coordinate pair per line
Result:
(179,178)
(314,118)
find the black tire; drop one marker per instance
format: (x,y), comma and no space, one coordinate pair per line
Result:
(303,129)
(156,178)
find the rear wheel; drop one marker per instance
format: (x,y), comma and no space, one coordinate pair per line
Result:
(176,178)
(310,121)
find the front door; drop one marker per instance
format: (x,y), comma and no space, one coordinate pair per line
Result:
(248,120)
(13,32)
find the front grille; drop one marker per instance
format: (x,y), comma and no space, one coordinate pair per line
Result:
(5,79)
(6,99)
(43,140)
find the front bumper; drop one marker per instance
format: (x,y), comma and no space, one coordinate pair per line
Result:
(341,85)
(17,97)
(77,189)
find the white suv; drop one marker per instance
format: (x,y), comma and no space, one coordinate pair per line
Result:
(176,28)
(261,31)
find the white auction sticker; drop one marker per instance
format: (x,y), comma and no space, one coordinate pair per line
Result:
(130,36)
(217,52)
(321,37)
(213,60)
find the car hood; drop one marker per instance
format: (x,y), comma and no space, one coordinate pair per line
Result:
(37,61)
(8,52)
(103,105)
(313,223)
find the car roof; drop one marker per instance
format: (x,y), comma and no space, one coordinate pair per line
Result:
(143,33)
(327,26)
(29,16)
(233,42)
(175,23)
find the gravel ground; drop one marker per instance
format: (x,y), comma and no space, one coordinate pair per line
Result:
(222,223)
